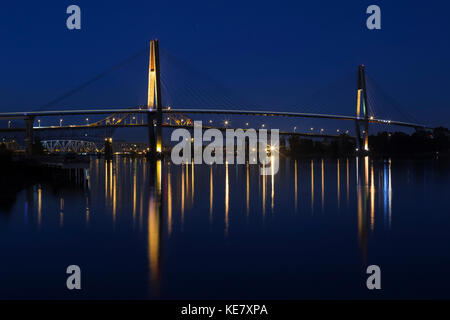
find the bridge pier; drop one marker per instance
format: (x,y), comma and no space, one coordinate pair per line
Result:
(151,135)
(29,136)
(108,149)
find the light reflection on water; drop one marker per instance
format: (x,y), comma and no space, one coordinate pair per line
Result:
(206,231)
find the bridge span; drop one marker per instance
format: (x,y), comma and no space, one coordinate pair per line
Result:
(117,117)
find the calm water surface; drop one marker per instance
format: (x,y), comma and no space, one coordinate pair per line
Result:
(167,231)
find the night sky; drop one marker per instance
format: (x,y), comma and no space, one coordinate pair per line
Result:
(270,53)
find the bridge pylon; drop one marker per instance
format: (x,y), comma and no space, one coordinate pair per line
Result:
(362,112)
(154,101)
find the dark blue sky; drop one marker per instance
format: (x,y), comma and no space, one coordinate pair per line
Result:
(269,53)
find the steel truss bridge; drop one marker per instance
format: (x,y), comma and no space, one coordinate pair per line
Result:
(78,146)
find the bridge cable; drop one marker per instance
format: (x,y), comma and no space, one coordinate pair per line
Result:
(94,79)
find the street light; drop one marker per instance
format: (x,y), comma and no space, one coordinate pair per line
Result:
(312,128)
(9,123)
(295,128)
(87,121)
(39,123)
(60,122)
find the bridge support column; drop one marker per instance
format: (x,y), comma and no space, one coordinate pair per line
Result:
(154,99)
(151,134)
(29,136)
(108,149)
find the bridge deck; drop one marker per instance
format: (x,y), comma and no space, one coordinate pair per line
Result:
(15,115)
(80,127)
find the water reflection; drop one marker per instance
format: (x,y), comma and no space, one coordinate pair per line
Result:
(39,206)
(211,194)
(264,179)
(387,193)
(338,184)
(323,187)
(169,202)
(295,186)
(154,225)
(227,198)
(312,186)
(124,194)
(61,212)
(247,202)
(366,195)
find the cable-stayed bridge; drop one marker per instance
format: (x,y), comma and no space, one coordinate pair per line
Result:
(154,116)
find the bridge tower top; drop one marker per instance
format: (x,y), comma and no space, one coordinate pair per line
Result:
(154,100)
